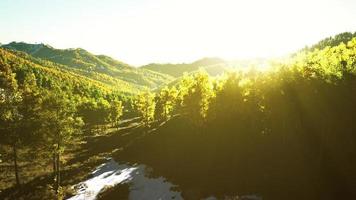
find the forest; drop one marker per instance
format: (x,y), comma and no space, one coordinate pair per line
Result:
(283,133)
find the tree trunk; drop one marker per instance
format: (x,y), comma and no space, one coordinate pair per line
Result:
(58,169)
(16,165)
(117,124)
(58,178)
(54,165)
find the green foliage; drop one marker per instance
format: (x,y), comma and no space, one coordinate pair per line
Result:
(116,111)
(98,67)
(10,98)
(60,127)
(50,76)
(244,94)
(145,106)
(165,102)
(304,106)
(39,106)
(19,107)
(291,128)
(196,97)
(333,41)
(100,111)
(59,121)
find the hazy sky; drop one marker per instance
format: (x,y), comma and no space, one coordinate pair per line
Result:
(142,31)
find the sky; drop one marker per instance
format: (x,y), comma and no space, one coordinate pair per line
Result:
(144,31)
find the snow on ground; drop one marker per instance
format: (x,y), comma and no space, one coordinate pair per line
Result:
(141,187)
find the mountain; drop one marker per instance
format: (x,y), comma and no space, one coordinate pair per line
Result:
(333,40)
(49,75)
(98,67)
(214,66)
(245,63)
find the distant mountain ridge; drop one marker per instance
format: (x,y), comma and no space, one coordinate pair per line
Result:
(214,66)
(91,65)
(109,71)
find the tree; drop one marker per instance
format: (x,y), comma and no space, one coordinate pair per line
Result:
(10,99)
(145,106)
(60,125)
(228,99)
(116,110)
(18,112)
(95,112)
(87,110)
(196,99)
(103,111)
(165,101)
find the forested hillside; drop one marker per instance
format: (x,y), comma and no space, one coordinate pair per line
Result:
(178,100)
(98,67)
(217,66)
(333,41)
(47,107)
(286,132)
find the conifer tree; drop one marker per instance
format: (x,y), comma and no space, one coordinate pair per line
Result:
(60,127)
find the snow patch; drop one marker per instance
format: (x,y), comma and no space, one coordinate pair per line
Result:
(141,187)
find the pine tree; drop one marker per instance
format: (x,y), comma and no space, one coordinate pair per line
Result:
(60,126)
(9,114)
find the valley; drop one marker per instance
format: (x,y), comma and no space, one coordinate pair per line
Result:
(75,125)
